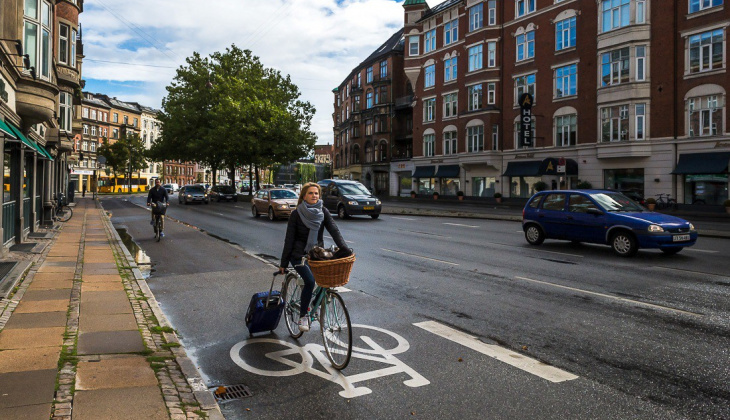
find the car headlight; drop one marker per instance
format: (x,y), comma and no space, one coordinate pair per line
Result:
(656,228)
(691,226)
(206,195)
(190,196)
(352,203)
(377,202)
(283,206)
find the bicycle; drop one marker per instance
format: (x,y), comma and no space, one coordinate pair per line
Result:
(333,317)
(158,209)
(62,212)
(665,201)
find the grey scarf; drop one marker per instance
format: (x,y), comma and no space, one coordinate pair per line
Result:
(312,215)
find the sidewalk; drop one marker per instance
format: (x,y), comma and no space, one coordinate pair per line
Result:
(82,338)
(715,225)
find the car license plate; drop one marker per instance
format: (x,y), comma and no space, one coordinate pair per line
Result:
(368,208)
(680,238)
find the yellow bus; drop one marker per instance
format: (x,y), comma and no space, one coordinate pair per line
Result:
(120,184)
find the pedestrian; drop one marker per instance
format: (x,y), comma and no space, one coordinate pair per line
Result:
(83,190)
(305,231)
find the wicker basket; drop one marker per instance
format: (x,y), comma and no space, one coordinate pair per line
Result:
(332,273)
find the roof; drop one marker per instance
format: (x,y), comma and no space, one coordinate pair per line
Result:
(394,44)
(439,8)
(89,98)
(413,2)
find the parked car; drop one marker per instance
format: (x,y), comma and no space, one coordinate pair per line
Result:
(223,192)
(193,194)
(275,203)
(171,188)
(349,198)
(603,217)
(634,195)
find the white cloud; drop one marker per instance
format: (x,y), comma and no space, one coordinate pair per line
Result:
(317,42)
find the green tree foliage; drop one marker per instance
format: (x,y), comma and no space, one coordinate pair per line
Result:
(125,156)
(306,172)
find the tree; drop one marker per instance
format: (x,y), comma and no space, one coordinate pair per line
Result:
(125,156)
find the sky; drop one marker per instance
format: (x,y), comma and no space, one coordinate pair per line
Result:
(132,48)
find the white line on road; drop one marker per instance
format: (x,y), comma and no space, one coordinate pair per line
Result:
(402,218)
(588,292)
(559,253)
(329,237)
(459,224)
(219,214)
(502,354)
(419,256)
(701,250)
(681,270)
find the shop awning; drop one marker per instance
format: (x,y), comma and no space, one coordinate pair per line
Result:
(30,143)
(447,171)
(7,130)
(549,166)
(528,168)
(702,163)
(424,172)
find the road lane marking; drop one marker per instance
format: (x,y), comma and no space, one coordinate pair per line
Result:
(701,250)
(424,233)
(690,271)
(402,218)
(459,224)
(418,256)
(502,354)
(607,296)
(329,237)
(559,253)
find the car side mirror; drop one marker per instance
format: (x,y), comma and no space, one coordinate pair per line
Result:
(594,212)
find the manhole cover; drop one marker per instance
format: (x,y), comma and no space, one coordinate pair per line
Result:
(231,392)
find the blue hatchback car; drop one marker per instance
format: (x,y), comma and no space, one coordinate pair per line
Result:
(603,217)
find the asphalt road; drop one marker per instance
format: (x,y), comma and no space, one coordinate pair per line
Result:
(646,337)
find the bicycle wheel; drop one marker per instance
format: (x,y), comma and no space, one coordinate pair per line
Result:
(292,299)
(336,330)
(158,228)
(64,214)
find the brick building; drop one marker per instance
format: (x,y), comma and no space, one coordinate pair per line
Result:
(94,129)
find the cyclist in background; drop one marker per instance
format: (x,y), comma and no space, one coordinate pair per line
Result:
(305,231)
(157,194)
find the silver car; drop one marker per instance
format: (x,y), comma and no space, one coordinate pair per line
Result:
(193,194)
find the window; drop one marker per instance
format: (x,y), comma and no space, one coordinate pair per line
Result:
(85,112)
(615,67)
(526,46)
(429,140)
(86,129)
(566,81)
(491,93)
(450,105)
(116,117)
(383,69)
(413,49)
(37,19)
(524,7)
(451,32)
(369,75)
(429,110)
(495,137)
(491,54)
(359,75)
(63,32)
(85,146)
(65,103)
(565,130)
(93,147)
(475,58)
(450,70)
(641,62)
(492,12)
(706,51)
(430,79)
(72,58)
(93,130)
(430,42)
(475,97)
(699,5)
(565,34)
(580,204)
(115,133)
(518,128)
(524,84)
(640,124)
(615,123)
(705,116)
(450,142)
(383,94)
(615,14)
(93,114)
(641,11)
(369,99)
(475,138)
(476,17)
(554,201)
(105,132)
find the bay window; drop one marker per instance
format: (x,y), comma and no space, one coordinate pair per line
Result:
(474,94)
(706,51)
(615,67)
(37,36)
(475,139)
(615,123)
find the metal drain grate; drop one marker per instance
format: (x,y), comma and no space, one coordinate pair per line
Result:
(26,247)
(232,392)
(5,268)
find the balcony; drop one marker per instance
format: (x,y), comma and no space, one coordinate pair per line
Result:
(404,102)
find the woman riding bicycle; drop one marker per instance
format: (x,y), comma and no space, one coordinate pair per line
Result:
(305,231)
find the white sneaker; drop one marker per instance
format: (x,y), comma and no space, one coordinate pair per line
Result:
(303,324)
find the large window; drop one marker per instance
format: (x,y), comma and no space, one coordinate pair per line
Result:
(641,63)
(615,14)
(475,58)
(526,46)
(491,54)
(524,7)
(699,5)
(566,130)
(491,93)
(450,69)
(475,138)
(492,12)
(430,43)
(451,32)
(413,48)
(450,105)
(705,115)
(474,94)
(524,84)
(640,124)
(615,123)
(483,186)
(615,67)
(369,99)
(476,17)
(565,34)
(369,75)
(383,70)
(65,114)
(566,81)
(450,142)
(429,110)
(37,19)
(429,141)
(430,79)
(706,51)
(63,34)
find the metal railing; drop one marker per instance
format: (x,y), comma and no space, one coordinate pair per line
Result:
(8,221)
(26,213)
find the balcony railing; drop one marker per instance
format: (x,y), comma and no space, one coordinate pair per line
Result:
(404,102)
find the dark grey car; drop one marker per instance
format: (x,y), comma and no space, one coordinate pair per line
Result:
(193,194)
(349,198)
(223,192)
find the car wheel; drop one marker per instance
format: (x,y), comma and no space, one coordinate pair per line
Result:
(254,211)
(624,244)
(272,216)
(341,212)
(671,251)
(534,235)
(374,216)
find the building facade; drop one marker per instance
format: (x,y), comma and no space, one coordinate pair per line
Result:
(151,131)
(94,129)
(179,172)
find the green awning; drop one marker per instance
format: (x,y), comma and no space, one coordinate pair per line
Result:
(7,130)
(45,152)
(30,143)
(447,171)
(528,168)
(702,163)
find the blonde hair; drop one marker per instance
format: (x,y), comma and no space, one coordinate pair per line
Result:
(306,188)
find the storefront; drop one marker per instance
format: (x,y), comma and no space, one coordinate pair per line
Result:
(447,177)
(401,179)
(424,180)
(705,177)
(625,180)
(522,177)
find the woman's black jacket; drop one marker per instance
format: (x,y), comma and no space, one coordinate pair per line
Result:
(297,233)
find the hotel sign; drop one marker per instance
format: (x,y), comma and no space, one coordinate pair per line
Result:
(525,120)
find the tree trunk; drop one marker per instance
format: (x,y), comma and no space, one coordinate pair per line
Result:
(250,179)
(258,184)
(232,175)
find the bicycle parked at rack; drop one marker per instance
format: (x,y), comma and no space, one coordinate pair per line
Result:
(665,201)
(159,209)
(61,211)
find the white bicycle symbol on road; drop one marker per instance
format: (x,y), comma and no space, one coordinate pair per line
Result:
(375,353)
